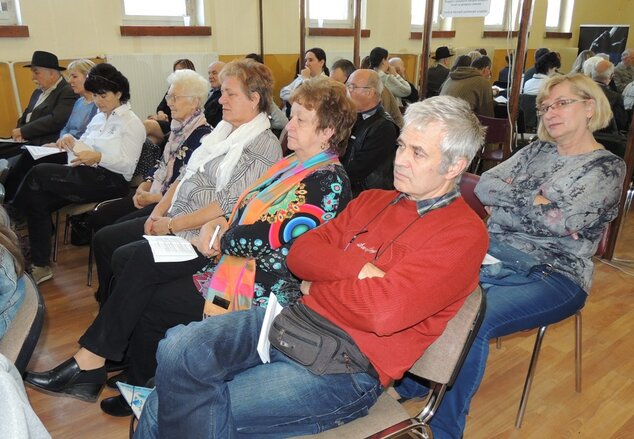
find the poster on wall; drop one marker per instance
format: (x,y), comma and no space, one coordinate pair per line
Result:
(466,8)
(608,39)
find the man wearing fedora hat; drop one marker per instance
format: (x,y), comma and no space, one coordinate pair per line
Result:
(437,74)
(50,105)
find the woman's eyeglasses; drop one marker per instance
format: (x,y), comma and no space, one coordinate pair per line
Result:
(174,98)
(557,105)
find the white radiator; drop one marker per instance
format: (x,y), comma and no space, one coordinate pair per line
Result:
(147,74)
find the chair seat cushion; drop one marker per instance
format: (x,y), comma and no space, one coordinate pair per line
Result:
(385,413)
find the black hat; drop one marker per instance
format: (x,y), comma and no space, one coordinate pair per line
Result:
(442,52)
(46,60)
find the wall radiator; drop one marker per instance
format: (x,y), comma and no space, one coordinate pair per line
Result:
(147,74)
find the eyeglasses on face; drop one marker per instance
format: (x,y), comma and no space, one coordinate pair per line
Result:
(173,98)
(557,105)
(353,87)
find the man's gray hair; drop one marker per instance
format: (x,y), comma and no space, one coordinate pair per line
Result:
(626,53)
(463,135)
(193,84)
(602,71)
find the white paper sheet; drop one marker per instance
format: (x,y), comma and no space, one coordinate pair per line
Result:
(135,396)
(273,308)
(9,140)
(489,260)
(171,248)
(37,152)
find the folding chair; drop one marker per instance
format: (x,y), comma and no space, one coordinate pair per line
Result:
(439,365)
(21,338)
(541,331)
(498,136)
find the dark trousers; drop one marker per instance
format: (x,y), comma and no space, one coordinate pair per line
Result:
(138,280)
(174,303)
(49,187)
(22,167)
(126,230)
(117,212)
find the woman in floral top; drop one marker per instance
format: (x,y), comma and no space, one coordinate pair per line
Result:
(549,205)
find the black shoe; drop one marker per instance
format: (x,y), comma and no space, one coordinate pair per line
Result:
(116,406)
(68,378)
(115,366)
(120,378)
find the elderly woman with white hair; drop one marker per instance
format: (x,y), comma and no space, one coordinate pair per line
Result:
(186,97)
(233,156)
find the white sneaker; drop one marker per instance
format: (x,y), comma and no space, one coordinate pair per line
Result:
(41,274)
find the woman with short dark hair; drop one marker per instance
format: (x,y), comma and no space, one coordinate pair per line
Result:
(101,161)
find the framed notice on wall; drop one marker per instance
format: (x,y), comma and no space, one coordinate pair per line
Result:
(608,39)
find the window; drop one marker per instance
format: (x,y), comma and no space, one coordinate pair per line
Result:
(333,13)
(418,16)
(559,15)
(10,12)
(503,15)
(166,12)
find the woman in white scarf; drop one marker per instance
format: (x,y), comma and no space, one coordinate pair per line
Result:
(228,161)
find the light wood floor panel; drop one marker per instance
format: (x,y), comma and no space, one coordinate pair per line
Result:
(605,408)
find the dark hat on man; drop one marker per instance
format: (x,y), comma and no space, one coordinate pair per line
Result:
(442,52)
(46,60)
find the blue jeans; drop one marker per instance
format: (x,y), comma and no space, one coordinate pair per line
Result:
(211,383)
(521,294)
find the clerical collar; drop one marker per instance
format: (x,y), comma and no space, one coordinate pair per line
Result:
(424,206)
(371,112)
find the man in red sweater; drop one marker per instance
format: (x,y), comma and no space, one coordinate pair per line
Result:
(391,270)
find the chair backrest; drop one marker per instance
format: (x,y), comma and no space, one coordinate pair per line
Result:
(498,133)
(467,185)
(528,107)
(442,361)
(21,338)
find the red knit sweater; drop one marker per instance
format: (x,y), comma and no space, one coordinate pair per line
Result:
(430,269)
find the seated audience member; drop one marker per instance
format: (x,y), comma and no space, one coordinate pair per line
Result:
(277,116)
(505,75)
(157,126)
(461,61)
(530,72)
(237,152)
(474,54)
(341,71)
(296,194)
(577,66)
(549,205)
(314,66)
(545,67)
(601,73)
(365,62)
(624,71)
(11,271)
(368,160)
(17,417)
(102,162)
(472,85)
(49,107)
(391,80)
(403,263)
(185,97)
(212,107)
(628,97)
(437,74)
(399,66)
(83,112)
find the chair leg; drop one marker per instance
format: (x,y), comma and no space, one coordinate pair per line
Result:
(498,342)
(90,260)
(578,338)
(66,227)
(529,377)
(56,234)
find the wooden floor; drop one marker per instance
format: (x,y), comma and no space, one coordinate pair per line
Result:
(605,408)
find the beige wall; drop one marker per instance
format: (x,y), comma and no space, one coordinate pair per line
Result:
(90,28)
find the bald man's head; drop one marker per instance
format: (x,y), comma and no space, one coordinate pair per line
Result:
(213,71)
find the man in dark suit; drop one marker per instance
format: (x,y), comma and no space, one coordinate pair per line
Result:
(212,108)
(369,157)
(437,74)
(50,104)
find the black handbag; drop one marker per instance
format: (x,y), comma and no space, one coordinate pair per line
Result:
(316,343)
